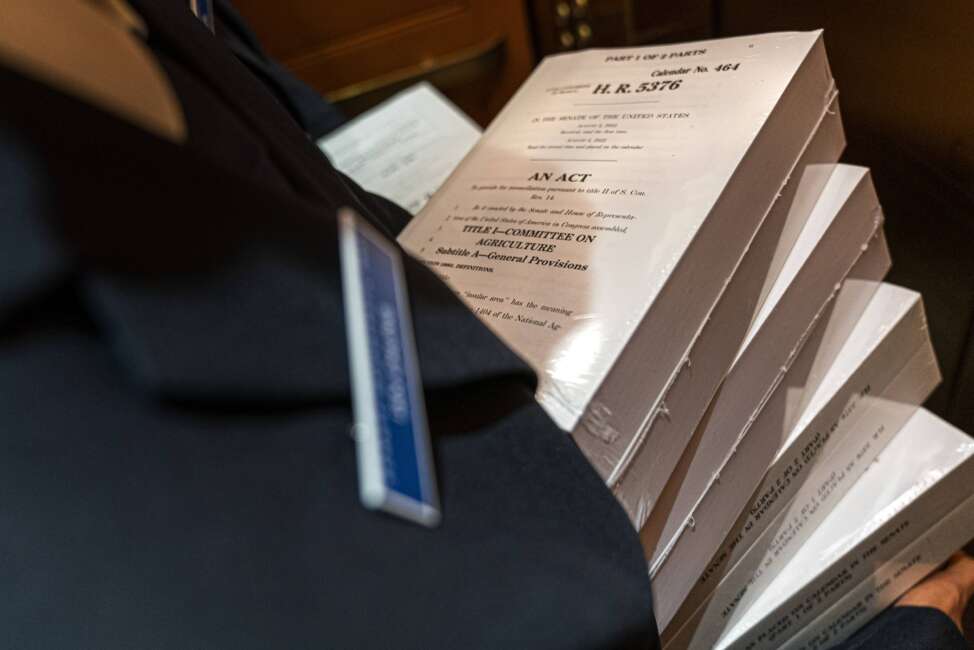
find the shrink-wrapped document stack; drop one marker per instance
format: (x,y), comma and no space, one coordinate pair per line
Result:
(665,234)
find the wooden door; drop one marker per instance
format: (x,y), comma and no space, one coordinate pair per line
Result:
(358,53)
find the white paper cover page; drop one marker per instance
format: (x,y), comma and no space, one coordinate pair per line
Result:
(404,148)
(565,221)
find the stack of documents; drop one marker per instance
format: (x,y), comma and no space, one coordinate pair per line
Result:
(666,236)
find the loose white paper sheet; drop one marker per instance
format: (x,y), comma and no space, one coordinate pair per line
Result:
(404,148)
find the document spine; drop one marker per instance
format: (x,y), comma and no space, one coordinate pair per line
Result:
(799,490)
(686,556)
(889,582)
(640,485)
(915,515)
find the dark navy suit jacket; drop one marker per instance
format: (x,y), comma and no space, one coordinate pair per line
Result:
(176,469)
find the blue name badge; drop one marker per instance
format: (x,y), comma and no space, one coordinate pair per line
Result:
(392,439)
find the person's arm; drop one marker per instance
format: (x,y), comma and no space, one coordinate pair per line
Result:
(949,590)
